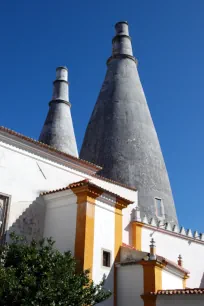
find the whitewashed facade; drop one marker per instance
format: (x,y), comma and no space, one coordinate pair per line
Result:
(36,181)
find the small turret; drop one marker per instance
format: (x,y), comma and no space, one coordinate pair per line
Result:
(152,246)
(58,131)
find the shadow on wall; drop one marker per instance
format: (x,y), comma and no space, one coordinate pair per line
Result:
(110,283)
(31,223)
(202,282)
(128,227)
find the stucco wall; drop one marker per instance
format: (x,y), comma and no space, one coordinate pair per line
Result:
(171,246)
(31,223)
(60,219)
(171,281)
(128,212)
(25,175)
(129,285)
(104,238)
(184,300)
(122,191)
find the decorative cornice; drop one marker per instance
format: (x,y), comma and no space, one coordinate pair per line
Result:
(122,56)
(85,189)
(118,36)
(60,101)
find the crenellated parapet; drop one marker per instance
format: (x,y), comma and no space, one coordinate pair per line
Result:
(175,229)
(162,225)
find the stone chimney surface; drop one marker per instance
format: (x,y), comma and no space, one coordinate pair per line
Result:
(58,131)
(121,136)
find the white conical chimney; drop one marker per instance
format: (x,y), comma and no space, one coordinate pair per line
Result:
(58,128)
(121,136)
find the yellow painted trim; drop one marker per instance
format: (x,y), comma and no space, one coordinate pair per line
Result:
(84,239)
(152,272)
(118,233)
(152,280)
(184,280)
(137,235)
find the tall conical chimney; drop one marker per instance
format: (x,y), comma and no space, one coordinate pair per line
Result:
(58,128)
(121,136)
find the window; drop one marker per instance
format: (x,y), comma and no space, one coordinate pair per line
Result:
(159,207)
(106,258)
(4,201)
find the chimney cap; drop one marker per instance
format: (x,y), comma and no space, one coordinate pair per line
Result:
(121,29)
(121,22)
(62,67)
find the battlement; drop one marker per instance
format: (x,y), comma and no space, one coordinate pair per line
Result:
(169,228)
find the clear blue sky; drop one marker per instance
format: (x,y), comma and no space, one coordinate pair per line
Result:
(168,41)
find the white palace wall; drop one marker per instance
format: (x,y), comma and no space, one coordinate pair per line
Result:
(26,171)
(170,244)
(24,176)
(104,239)
(171,281)
(130,285)
(60,219)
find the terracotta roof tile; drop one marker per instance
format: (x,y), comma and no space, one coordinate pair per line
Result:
(128,246)
(73,185)
(84,183)
(179,291)
(80,183)
(43,145)
(161,259)
(54,190)
(172,263)
(51,149)
(112,181)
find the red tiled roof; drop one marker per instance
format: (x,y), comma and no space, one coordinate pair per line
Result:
(51,149)
(162,259)
(81,183)
(172,263)
(55,190)
(128,246)
(81,161)
(85,182)
(77,184)
(179,291)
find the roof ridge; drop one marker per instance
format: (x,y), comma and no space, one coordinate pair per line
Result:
(81,183)
(113,181)
(12,132)
(161,258)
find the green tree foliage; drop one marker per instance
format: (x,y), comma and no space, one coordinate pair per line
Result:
(37,274)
